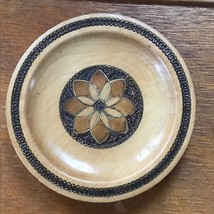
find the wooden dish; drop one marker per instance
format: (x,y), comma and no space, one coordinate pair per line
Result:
(100,108)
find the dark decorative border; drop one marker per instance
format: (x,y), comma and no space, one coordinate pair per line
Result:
(117,190)
(133,120)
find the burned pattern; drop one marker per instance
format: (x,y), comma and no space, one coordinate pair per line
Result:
(120,189)
(101,106)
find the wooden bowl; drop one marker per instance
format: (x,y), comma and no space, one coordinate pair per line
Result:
(100,108)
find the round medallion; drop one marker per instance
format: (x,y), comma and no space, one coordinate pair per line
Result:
(101,106)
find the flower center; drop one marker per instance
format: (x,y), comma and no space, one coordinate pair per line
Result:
(99,105)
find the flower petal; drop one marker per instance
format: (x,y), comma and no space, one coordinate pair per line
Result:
(113,112)
(93,92)
(100,132)
(105,119)
(94,119)
(119,124)
(86,100)
(88,110)
(117,88)
(81,124)
(99,79)
(74,106)
(112,101)
(105,92)
(125,106)
(80,88)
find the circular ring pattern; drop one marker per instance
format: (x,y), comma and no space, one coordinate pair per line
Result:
(124,188)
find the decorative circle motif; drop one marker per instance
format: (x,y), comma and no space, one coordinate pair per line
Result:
(124,188)
(101,106)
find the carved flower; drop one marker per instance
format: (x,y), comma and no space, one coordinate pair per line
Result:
(99,106)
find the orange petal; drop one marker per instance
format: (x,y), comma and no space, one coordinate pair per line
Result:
(81,124)
(74,106)
(99,79)
(125,106)
(100,132)
(80,88)
(119,124)
(117,88)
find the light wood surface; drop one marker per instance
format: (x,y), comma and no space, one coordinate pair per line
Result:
(138,154)
(189,188)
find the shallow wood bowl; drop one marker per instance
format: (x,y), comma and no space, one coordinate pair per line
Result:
(100,108)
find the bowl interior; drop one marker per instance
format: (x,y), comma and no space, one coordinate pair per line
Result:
(75,162)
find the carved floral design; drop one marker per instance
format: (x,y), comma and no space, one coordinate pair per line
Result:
(99,106)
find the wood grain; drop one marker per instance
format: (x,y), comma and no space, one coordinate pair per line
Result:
(190,186)
(192,3)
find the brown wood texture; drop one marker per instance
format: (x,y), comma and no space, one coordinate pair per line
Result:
(189,188)
(192,3)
